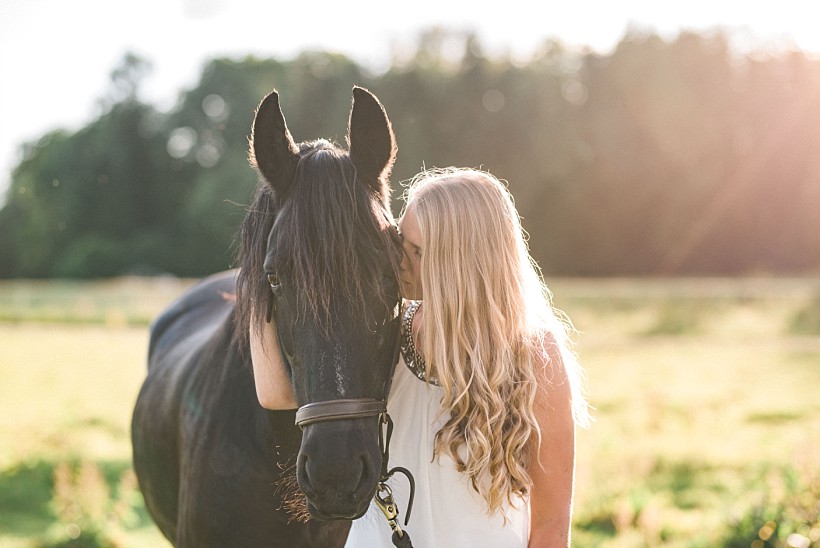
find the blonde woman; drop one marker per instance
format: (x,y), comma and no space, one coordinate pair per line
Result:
(487,395)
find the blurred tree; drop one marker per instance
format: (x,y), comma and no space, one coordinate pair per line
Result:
(126,79)
(666,156)
(103,182)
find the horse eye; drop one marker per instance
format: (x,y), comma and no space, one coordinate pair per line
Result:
(273,280)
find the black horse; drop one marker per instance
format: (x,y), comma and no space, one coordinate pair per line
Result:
(319,253)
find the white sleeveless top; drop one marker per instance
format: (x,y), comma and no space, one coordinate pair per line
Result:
(447,511)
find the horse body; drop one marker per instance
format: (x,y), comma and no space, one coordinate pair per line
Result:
(209,459)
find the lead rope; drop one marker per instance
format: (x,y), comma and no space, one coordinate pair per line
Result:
(384,495)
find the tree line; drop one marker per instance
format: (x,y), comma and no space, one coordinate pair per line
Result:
(663,157)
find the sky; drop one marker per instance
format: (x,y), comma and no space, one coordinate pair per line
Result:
(56,55)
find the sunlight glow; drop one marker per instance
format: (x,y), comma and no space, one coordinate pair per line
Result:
(493,100)
(181,141)
(215,108)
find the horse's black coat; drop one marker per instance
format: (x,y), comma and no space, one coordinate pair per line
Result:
(208,457)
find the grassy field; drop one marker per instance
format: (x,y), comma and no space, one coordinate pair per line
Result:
(707,397)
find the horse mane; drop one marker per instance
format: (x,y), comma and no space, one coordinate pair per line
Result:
(327,228)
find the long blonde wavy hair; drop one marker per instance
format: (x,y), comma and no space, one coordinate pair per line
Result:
(487,326)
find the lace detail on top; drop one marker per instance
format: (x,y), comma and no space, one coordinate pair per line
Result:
(411,355)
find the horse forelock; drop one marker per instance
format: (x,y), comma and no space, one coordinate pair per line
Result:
(329,233)
(329,230)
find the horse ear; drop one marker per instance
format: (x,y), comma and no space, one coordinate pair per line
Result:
(370,140)
(273,152)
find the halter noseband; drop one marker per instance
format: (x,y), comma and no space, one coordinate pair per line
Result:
(332,410)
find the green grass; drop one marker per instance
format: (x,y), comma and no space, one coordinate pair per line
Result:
(117,302)
(72,502)
(72,360)
(706,397)
(707,428)
(25,496)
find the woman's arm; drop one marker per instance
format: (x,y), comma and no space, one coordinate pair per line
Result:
(273,387)
(553,472)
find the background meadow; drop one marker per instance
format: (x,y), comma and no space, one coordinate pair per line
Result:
(707,428)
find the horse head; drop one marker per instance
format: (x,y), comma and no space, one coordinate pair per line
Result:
(321,254)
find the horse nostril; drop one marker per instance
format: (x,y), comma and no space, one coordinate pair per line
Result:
(335,479)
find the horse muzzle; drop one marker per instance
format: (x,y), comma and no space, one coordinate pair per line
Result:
(338,466)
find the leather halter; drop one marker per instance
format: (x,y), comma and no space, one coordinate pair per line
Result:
(338,410)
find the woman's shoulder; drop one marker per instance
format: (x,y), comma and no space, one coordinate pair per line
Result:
(551,356)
